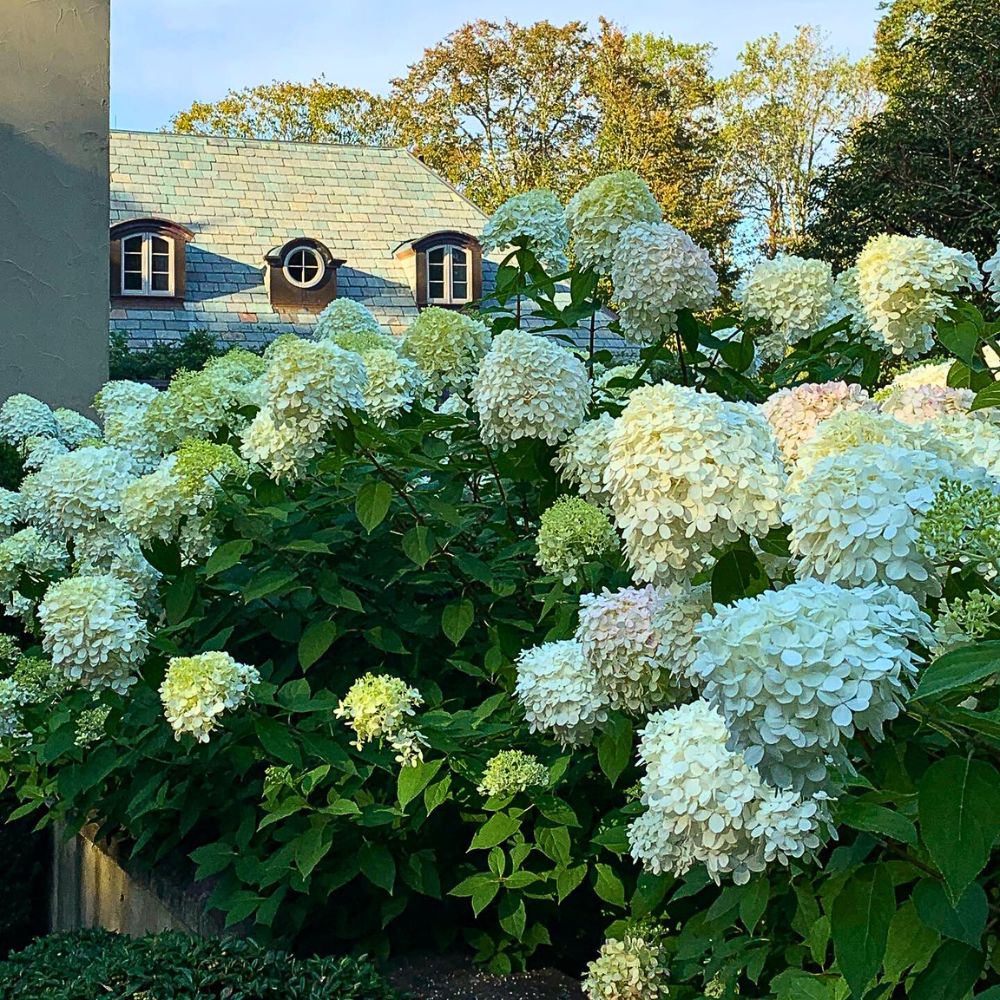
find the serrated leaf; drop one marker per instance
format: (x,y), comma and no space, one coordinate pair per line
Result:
(378,866)
(738,574)
(267,583)
(413,780)
(456,620)
(911,943)
(959,808)
(568,879)
(952,972)
(874,818)
(494,831)
(753,902)
(418,545)
(315,641)
(986,397)
(959,668)
(227,555)
(859,925)
(372,504)
(609,886)
(311,847)
(962,921)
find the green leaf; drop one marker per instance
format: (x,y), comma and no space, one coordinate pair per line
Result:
(385,639)
(753,902)
(378,866)
(413,780)
(737,574)
(494,831)
(859,925)
(988,396)
(960,339)
(513,915)
(372,504)
(794,984)
(315,641)
(952,972)
(456,620)
(311,847)
(609,886)
(738,354)
(959,809)
(418,545)
(213,858)
(964,921)
(567,879)
(959,668)
(437,794)
(277,740)
(877,819)
(484,895)
(179,595)
(911,943)
(267,583)
(227,555)
(614,746)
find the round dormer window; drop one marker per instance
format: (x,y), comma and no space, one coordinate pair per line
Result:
(304,267)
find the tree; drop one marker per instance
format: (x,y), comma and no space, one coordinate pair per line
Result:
(929,163)
(656,115)
(500,108)
(784,110)
(302,112)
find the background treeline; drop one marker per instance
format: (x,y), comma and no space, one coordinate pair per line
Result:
(798,150)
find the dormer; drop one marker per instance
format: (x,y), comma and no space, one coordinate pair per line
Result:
(446,268)
(148,262)
(301,275)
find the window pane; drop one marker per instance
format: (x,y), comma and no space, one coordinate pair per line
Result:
(132,281)
(435,289)
(436,256)
(160,245)
(132,245)
(459,289)
(160,282)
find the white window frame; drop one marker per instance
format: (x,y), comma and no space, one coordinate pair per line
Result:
(317,256)
(450,299)
(147,290)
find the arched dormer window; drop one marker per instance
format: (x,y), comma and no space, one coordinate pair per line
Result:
(148,260)
(448,268)
(302,275)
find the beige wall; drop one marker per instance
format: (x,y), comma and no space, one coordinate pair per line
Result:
(54,198)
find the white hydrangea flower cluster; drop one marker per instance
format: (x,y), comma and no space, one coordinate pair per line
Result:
(796,672)
(152,506)
(657,270)
(447,346)
(512,771)
(849,304)
(306,389)
(991,267)
(582,459)
(572,533)
(92,629)
(79,492)
(905,285)
(794,414)
(12,700)
(916,404)
(74,428)
(855,517)
(12,512)
(393,384)
(34,553)
(630,968)
(848,429)
(377,707)
(560,692)
(921,374)
(688,472)
(599,213)
(968,441)
(38,450)
(122,405)
(640,642)
(196,690)
(22,417)
(346,318)
(529,387)
(706,805)
(793,294)
(534,219)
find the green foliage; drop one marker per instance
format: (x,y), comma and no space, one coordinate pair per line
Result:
(163,359)
(23,854)
(170,966)
(929,162)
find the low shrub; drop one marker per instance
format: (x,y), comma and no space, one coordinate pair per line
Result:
(163,360)
(171,966)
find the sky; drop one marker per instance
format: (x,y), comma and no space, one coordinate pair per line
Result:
(167,53)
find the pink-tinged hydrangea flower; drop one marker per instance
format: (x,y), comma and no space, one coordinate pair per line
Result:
(905,284)
(796,672)
(639,642)
(197,689)
(447,346)
(795,295)
(794,414)
(581,461)
(689,472)
(855,518)
(534,219)
(706,805)
(92,629)
(560,692)
(657,270)
(916,404)
(599,213)
(529,387)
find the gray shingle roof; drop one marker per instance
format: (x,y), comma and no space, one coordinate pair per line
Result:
(242,197)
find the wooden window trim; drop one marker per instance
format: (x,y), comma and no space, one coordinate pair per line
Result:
(453,238)
(177,236)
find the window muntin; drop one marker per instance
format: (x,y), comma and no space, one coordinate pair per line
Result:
(147,265)
(448,274)
(304,267)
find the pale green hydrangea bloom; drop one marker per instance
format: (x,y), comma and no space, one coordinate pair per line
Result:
(393,385)
(198,689)
(447,346)
(377,707)
(74,428)
(91,725)
(534,219)
(22,416)
(963,620)
(512,771)
(962,524)
(346,318)
(573,532)
(630,968)
(793,294)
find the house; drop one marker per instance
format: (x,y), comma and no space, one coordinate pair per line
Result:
(249,238)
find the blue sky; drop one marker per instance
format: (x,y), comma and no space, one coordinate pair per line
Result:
(167,53)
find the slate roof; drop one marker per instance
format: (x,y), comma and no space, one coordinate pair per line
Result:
(242,197)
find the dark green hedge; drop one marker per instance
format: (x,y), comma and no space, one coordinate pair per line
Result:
(96,964)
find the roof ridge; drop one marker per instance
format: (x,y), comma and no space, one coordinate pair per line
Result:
(263,142)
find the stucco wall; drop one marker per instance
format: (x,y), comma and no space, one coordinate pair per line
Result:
(54,198)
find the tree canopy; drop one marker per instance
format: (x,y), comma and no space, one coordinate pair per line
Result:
(929,162)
